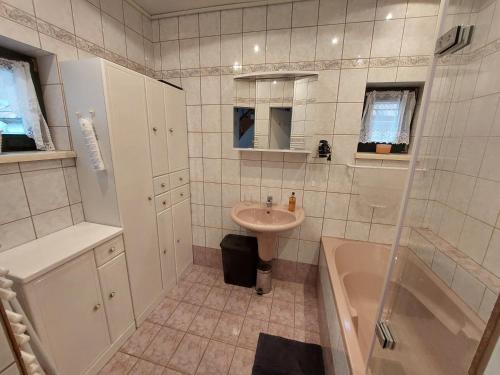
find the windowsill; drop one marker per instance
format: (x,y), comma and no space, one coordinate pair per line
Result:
(375,156)
(17,157)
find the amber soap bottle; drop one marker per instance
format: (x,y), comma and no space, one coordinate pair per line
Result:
(291,202)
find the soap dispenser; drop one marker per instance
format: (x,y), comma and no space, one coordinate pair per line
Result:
(291,202)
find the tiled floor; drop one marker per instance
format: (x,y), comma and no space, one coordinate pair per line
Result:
(206,327)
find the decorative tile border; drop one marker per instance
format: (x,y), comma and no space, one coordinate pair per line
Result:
(25,19)
(487,278)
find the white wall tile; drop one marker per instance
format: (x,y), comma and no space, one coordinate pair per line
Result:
(387,37)
(418,36)
(254,48)
(303,44)
(254,19)
(361,10)
(305,13)
(114,35)
(52,221)
(87,19)
(330,41)
(468,288)
(170,58)
(190,53)
(279,16)
(210,51)
(492,258)
(357,40)
(278,46)
(209,23)
(169,28)
(16,233)
(231,21)
(474,239)
(332,12)
(231,49)
(210,90)
(56,12)
(133,17)
(13,205)
(188,26)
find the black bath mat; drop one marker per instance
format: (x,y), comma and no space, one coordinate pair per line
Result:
(279,356)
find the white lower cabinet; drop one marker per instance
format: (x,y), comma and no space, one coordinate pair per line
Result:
(70,309)
(116,295)
(183,242)
(167,250)
(82,312)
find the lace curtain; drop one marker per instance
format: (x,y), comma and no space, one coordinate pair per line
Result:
(387,117)
(18,99)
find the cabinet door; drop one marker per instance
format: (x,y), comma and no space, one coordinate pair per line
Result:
(126,104)
(181,214)
(156,125)
(116,294)
(70,304)
(175,109)
(167,251)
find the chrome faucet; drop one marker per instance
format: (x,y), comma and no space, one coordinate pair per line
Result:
(269,202)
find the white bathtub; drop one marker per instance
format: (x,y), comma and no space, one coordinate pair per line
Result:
(427,316)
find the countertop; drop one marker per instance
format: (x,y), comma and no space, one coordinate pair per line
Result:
(35,258)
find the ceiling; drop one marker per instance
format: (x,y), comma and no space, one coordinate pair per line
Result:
(156,7)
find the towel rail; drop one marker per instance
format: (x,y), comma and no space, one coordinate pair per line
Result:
(355,166)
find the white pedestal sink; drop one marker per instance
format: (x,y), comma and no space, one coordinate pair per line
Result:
(266,223)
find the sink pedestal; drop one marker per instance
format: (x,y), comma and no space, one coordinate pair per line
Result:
(268,242)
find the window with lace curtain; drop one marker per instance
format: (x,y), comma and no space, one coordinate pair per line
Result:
(387,118)
(22,117)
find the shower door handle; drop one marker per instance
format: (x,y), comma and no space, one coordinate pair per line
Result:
(384,335)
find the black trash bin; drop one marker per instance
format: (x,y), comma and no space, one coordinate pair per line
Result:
(239,260)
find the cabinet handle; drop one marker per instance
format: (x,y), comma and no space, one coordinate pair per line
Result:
(155,128)
(112,294)
(150,199)
(164,203)
(178,241)
(171,130)
(162,185)
(180,178)
(164,251)
(97,307)
(182,194)
(111,250)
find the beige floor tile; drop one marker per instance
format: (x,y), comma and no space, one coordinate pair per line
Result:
(205,322)
(284,291)
(141,338)
(220,283)
(217,298)
(237,303)
(306,336)
(282,313)
(242,362)
(250,332)
(281,330)
(163,311)
(119,364)
(207,278)
(182,316)
(146,368)
(163,346)
(306,317)
(259,308)
(180,290)
(189,353)
(217,359)
(197,294)
(228,328)
(169,371)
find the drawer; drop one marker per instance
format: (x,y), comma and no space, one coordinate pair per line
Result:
(161,184)
(108,250)
(179,178)
(180,194)
(162,201)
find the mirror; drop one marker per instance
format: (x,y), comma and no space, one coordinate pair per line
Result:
(270,113)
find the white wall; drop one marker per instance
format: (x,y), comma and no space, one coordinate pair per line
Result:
(198,52)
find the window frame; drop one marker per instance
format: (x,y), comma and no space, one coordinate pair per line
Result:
(396,148)
(21,142)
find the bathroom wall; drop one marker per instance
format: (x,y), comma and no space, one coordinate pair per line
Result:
(351,44)
(459,235)
(38,198)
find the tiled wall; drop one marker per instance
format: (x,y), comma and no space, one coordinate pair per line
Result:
(38,198)
(461,150)
(351,44)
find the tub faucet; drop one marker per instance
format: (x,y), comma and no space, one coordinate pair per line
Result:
(269,202)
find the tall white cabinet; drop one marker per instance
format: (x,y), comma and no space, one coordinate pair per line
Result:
(141,128)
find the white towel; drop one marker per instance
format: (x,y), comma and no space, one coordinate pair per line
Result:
(90,140)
